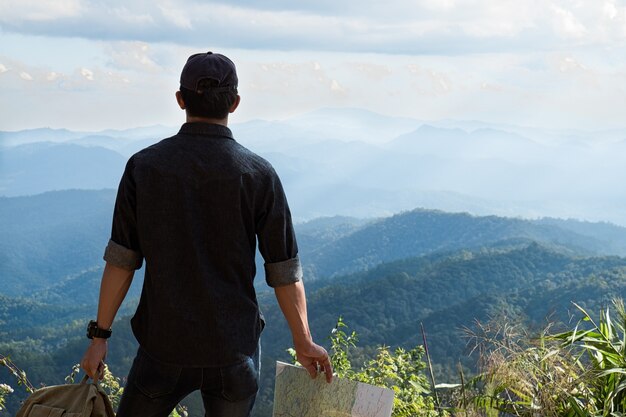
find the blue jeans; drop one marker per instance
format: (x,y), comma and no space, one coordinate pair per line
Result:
(155,388)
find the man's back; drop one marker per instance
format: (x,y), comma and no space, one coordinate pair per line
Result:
(196,202)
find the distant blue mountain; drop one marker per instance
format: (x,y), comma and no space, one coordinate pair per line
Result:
(344,161)
(44,166)
(47,238)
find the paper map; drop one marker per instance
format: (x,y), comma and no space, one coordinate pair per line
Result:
(297,395)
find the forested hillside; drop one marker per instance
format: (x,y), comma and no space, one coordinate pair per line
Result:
(47,238)
(383,276)
(385,305)
(426,231)
(56,236)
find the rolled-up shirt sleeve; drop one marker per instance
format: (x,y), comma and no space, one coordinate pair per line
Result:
(123,249)
(122,257)
(282,273)
(277,239)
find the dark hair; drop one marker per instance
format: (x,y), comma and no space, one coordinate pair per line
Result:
(206,102)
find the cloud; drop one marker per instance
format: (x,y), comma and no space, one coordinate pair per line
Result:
(87,73)
(24,11)
(176,16)
(335,87)
(396,26)
(566,24)
(85,98)
(131,56)
(374,71)
(23,75)
(126,16)
(508,60)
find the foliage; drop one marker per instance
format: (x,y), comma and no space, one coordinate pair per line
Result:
(522,375)
(399,370)
(340,343)
(4,391)
(577,373)
(19,374)
(601,346)
(20,377)
(384,305)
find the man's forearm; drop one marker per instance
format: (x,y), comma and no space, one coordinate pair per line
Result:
(292,301)
(113,289)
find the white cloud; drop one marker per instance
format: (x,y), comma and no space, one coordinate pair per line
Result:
(336,87)
(396,26)
(610,10)
(87,73)
(482,59)
(26,76)
(569,64)
(39,10)
(373,71)
(566,24)
(176,15)
(130,17)
(131,56)
(439,5)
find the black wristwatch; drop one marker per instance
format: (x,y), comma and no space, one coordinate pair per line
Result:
(94,331)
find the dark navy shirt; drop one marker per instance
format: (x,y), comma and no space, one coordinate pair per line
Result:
(193,206)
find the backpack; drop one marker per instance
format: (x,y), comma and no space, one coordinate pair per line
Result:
(70,400)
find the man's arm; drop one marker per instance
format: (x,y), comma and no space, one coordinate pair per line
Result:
(292,301)
(113,289)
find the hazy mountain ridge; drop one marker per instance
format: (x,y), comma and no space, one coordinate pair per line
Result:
(45,166)
(50,238)
(354,162)
(420,232)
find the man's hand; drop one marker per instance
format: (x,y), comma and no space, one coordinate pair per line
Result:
(93,360)
(314,358)
(113,288)
(292,302)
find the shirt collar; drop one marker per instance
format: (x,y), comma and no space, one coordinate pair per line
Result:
(206,129)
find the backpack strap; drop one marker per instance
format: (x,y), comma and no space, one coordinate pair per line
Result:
(96,381)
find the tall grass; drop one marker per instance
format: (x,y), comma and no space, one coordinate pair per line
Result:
(601,347)
(576,373)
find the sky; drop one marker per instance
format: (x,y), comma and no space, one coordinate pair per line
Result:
(91,64)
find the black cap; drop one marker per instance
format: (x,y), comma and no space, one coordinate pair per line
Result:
(212,66)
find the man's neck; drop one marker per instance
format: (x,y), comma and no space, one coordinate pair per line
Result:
(194,119)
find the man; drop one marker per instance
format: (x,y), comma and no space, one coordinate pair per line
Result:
(193,206)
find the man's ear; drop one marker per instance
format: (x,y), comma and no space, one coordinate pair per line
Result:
(179,99)
(235,104)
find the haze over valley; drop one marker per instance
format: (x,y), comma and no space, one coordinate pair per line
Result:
(353,162)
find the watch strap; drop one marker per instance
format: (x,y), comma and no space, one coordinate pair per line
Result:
(94,331)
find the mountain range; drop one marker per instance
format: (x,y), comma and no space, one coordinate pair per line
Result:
(357,163)
(49,238)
